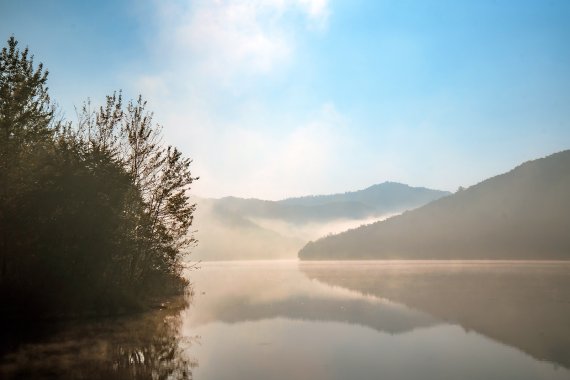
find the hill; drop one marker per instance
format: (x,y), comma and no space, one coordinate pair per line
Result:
(236,228)
(522,214)
(377,200)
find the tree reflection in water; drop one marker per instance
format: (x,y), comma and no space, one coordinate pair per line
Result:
(143,346)
(522,304)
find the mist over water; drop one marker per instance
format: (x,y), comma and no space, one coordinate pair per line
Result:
(285,190)
(254,229)
(330,320)
(315,230)
(521,214)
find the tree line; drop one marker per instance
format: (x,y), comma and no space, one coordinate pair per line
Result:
(94,214)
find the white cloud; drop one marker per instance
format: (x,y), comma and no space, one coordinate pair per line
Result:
(304,158)
(231,36)
(155,85)
(270,163)
(318,10)
(235,37)
(206,52)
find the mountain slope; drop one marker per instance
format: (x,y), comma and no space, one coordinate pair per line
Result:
(522,214)
(381,199)
(235,228)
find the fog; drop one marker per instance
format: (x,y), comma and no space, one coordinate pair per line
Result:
(249,238)
(521,214)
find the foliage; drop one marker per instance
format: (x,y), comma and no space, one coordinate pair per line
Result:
(94,215)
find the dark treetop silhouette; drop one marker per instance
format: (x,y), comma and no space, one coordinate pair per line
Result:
(94,215)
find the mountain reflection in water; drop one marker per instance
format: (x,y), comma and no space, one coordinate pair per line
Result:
(326,320)
(523,304)
(360,320)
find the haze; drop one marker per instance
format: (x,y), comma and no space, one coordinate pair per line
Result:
(290,97)
(285,189)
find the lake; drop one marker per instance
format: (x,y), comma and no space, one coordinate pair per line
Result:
(323,320)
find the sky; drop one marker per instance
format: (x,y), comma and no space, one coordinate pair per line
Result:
(280,98)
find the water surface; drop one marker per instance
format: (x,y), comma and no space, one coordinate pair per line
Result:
(327,320)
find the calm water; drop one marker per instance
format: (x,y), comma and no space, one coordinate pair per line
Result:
(331,320)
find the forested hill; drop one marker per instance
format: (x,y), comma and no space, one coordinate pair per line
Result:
(384,197)
(522,214)
(376,200)
(261,229)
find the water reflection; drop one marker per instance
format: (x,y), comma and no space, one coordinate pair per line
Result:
(143,346)
(329,321)
(289,320)
(253,291)
(525,305)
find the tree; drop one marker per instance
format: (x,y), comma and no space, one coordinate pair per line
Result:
(94,214)
(25,108)
(160,174)
(163,177)
(26,116)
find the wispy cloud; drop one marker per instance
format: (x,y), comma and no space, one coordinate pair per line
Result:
(303,159)
(271,163)
(206,54)
(236,37)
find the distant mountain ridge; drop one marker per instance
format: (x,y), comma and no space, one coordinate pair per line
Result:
(237,228)
(522,214)
(379,195)
(380,199)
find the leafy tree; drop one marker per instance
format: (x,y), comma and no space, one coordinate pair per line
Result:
(26,116)
(160,174)
(25,108)
(94,215)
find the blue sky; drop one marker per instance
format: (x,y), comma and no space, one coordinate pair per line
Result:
(276,98)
